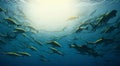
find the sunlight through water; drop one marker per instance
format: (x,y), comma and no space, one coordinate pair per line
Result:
(50,15)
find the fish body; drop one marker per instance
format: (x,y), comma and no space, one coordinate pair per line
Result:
(85,50)
(2,10)
(80,29)
(110,29)
(38,42)
(12,54)
(33,48)
(54,43)
(72,18)
(101,40)
(19,30)
(56,51)
(11,21)
(24,53)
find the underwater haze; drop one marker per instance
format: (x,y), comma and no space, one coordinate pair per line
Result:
(91,37)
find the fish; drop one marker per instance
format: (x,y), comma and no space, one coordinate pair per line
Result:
(85,50)
(44,59)
(80,29)
(85,23)
(103,19)
(80,48)
(26,36)
(106,17)
(12,54)
(94,26)
(103,41)
(56,51)
(2,10)
(43,56)
(98,41)
(109,29)
(19,30)
(92,13)
(3,35)
(72,45)
(72,18)
(31,27)
(54,43)
(33,48)
(24,53)
(11,21)
(38,42)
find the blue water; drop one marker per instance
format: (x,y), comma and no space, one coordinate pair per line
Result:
(16,42)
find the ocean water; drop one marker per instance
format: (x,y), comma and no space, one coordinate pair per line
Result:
(95,43)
